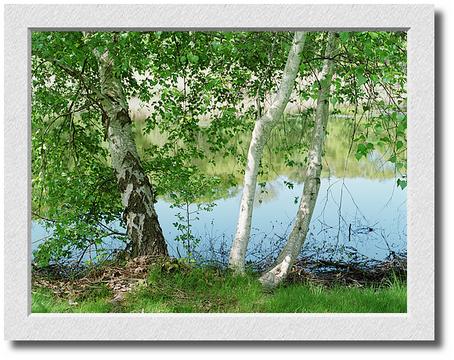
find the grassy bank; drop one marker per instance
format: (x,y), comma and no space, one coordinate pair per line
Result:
(211,290)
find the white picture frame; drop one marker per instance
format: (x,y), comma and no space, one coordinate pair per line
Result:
(417,324)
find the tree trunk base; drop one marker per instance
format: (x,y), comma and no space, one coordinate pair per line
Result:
(272,278)
(236,266)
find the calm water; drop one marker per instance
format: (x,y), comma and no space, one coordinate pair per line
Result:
(359,209)
(365,214)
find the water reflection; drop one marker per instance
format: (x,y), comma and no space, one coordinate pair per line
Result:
(359,206)
(368,215)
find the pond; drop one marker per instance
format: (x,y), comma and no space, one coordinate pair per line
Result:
(359,212)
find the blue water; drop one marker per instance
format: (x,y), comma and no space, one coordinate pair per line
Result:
(368,215)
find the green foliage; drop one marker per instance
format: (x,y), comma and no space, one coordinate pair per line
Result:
(374,64)
(184,77)
(203,92)
(74,190)
(363,150)
(402,183)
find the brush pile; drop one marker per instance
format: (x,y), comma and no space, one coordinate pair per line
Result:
(73,283)
(356,273)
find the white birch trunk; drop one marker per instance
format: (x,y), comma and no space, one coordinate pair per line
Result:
(300,228)
(259,137)
(137,195)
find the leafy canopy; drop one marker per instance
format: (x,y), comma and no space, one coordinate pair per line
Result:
(199,95)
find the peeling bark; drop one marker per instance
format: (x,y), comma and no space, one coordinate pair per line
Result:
(259,137)
(137,195)
(300,228)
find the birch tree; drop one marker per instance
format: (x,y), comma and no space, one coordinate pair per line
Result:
(259,137)
(91,177)
(137,195)
(312,176)
(79,106)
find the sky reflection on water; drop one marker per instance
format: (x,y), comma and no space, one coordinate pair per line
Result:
(352,212)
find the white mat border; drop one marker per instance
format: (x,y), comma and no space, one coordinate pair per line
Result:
(417,324)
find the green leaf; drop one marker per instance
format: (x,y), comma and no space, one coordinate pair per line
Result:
(361,79)
(193,58)
(402,183)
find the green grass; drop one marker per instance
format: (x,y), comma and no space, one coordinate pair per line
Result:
(209,290)
(44,302)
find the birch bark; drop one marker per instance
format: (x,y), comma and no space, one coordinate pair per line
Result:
(137,195)
(300,228)
(259,137)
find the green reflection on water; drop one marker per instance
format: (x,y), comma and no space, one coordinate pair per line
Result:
(284,155)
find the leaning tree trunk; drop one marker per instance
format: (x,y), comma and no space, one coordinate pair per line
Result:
(259,137)
(137,195)
(298,234)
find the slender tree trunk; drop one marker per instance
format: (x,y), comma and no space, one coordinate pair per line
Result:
(137,195)
(260,133)
(298,234)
